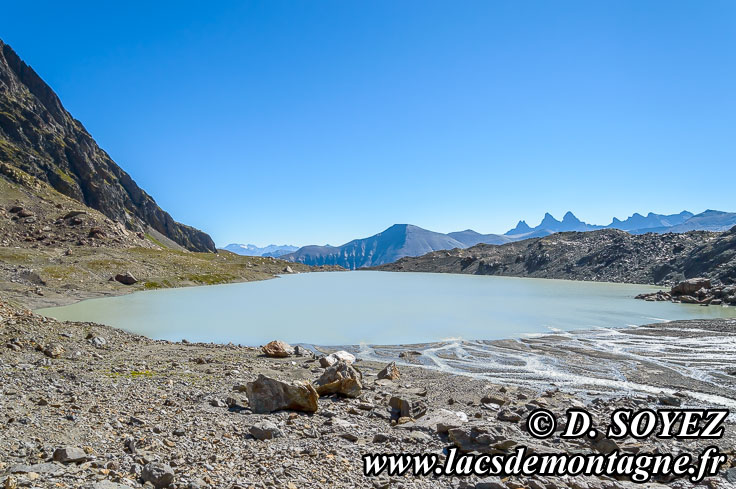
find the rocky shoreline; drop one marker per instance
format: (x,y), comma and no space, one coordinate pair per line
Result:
(88,406)
(695,291)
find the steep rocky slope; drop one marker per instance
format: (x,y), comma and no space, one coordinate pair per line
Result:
(38,136)
(605,255)
(54,250)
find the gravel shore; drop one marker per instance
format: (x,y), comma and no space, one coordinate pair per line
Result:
(85,405)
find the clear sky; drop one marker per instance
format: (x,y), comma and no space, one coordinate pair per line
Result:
(307,121)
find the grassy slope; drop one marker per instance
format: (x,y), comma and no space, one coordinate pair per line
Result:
(86,271)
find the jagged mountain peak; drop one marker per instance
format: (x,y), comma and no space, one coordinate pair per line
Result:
(549,220)
(521,228)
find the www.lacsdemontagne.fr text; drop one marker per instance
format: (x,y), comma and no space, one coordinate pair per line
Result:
(701,424)
(640,467)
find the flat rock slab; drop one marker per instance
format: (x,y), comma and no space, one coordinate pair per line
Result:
(45,468)
(108,485)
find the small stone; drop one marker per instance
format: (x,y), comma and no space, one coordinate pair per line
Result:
(509,416)
(158,474)
(265,430)
(53,350)
(670,401)
(490,483)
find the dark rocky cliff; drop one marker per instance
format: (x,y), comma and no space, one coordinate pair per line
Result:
(41,138)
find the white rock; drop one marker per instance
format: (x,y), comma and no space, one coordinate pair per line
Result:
(333,358)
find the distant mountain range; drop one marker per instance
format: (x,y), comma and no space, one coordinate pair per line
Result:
(401,240)
(274,251)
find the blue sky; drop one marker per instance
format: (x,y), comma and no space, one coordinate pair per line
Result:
(307,121)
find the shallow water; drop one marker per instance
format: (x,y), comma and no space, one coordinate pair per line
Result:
(365,307)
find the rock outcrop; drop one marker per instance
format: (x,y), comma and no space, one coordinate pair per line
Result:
(695,291)
(39,137)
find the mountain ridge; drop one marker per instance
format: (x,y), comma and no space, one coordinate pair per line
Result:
(381,251)
(39,137)
(271,250)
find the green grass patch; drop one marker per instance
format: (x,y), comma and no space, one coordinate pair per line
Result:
(155,241)
(210,278)
(141,373)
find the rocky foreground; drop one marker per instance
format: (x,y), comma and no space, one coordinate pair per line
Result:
(88,406)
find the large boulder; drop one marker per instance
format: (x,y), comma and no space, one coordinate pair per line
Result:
(407,407)
(691,286)
(390,372)
(158,474)
(341,378)
(333,358)
(266,395)
(277,349)
(67,455)
(126,278)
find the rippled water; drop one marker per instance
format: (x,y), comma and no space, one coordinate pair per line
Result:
(379,308)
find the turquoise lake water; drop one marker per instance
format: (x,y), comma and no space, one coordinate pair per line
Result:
(378,308)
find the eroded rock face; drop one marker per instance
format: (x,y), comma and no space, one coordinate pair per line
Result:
(266,395)
(341,378)
(277,349)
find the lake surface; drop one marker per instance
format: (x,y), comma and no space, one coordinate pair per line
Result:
(362,307)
